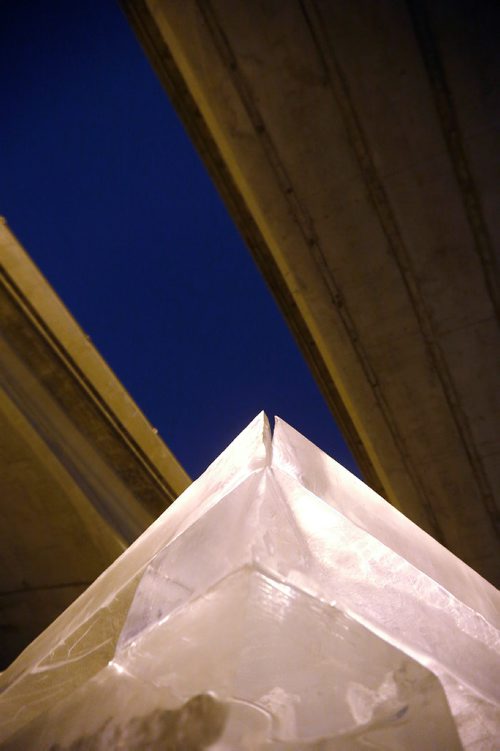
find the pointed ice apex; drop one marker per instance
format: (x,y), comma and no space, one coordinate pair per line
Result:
(279,603)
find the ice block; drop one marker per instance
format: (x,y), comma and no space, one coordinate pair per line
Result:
(279,603)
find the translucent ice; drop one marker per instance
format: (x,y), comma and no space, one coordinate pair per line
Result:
(278,604)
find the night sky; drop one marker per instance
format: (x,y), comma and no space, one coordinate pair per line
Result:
(102,186)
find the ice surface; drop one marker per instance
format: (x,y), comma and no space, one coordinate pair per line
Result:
(328,480)
(83,639)
(310,672)
(278,604)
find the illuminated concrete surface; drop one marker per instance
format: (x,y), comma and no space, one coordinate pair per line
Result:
(82,473)
(356,146)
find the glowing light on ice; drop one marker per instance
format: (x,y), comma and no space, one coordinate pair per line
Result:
(278,604)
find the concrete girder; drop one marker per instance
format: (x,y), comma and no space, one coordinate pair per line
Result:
(82,472)
(355,146)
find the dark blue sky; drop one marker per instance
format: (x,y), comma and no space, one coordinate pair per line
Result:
(102,186)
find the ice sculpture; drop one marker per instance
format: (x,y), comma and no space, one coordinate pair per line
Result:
(278,604)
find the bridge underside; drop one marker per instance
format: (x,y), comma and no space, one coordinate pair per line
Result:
(82,473)
(356,146)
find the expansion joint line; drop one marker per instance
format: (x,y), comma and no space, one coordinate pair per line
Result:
(306,227)
(447,116)
(396,245)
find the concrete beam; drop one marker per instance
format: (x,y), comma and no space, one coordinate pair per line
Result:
(353,143)
(82,471)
